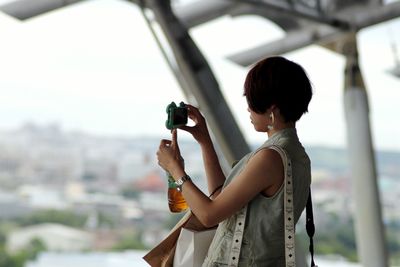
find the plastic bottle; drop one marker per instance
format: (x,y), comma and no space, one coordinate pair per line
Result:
(176,201)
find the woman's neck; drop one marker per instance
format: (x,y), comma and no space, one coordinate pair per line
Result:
(280,126)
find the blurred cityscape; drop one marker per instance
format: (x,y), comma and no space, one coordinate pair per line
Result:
(67,194)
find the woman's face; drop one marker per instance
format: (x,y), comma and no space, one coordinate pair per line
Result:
(259,121)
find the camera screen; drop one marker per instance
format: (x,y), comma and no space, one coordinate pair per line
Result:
(180,117)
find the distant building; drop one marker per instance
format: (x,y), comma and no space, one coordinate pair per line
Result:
(133,165)
(74,190)
(56,237)
(152,182)
(98,259)
(11,206)
(42,197)
(131,258)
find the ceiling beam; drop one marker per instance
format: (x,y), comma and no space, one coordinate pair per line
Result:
(318,34)
(365,17)
(26,9)
(292,41)
(202,11)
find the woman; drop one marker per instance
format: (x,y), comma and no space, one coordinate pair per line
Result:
(278,92)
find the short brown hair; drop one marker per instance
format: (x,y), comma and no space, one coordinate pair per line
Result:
(276,80)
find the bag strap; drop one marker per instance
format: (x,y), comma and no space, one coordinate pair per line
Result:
(290,257)
(237,238)
(310,227)
(289,216)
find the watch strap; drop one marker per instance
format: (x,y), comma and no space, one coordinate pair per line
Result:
(181,181)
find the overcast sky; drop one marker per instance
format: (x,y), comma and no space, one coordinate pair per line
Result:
(94,66)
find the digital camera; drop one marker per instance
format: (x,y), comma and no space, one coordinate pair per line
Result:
(177,115)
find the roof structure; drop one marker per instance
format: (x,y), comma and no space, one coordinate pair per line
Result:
(330,23)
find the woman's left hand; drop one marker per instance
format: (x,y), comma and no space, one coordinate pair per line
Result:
(169,156)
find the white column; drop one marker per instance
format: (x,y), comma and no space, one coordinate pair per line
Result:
(369,228)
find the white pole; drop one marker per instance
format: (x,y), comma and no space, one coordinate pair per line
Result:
(368,217)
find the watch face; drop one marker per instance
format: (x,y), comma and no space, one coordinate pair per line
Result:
(180,182)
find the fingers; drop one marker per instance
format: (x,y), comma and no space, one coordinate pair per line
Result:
(186,128)
(174,143)
(162,152)
(193,112)
(190,107)
(174,137)
(165,143)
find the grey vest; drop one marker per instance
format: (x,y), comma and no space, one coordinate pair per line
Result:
(263,239)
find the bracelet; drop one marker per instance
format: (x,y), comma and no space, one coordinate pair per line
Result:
(181,181)
(215,190)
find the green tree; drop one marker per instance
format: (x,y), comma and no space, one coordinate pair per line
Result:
(128,242)
(339,239)
(68,218)
(172,220)
(130,193)
(19,258)
(5,258)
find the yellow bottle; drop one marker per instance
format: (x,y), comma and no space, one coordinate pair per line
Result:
(176,201)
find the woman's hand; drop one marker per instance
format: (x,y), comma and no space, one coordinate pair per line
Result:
(169,156)
(199,130)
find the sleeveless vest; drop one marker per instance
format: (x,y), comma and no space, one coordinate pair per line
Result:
(263,238)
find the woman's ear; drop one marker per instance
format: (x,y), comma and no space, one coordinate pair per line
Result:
(272,108)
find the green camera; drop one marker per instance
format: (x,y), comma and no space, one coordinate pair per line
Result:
(177,115)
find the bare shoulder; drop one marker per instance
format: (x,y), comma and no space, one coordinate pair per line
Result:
(268,158)
(267,165)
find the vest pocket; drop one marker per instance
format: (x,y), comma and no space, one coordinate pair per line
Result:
(224,249)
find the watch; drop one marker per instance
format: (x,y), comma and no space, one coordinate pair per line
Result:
(181,181)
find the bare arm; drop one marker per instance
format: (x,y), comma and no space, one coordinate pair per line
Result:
(213,170)
(214,174)
(263,172)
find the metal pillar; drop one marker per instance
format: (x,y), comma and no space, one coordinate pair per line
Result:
(369,228)
(200,82)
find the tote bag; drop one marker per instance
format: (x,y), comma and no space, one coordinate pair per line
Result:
(163,254)
(192,247)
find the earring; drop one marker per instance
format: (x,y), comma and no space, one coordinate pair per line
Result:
(272,118)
